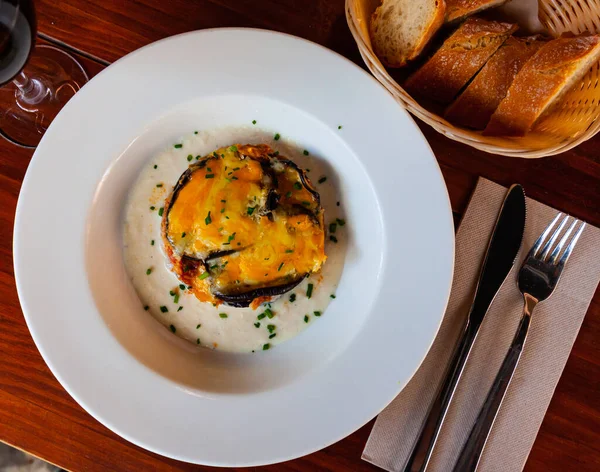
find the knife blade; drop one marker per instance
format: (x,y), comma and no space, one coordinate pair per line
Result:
(501,253)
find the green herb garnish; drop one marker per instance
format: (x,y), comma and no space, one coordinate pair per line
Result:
(333,238)
(182,287)
(155,166)
(322,179)
(223,315)
(340,127)
(317,313)
(261,316)
(297,185)
(159,185)
(271,328)
(152,208)
(177,146)
(266,347)
(280,266)
(251,210)
(207,220)
(149,271)
(176,299)
(273,335)
(288,195)
(146,308)
(152,243)
(309,290)
(203,275)
(183,235)
(253,122)
(180,308)
(233,148)
(161,211)
(306,318)
(293,297)
(340,222)
(332,227)
(269,313)
(209,176)
(305,152)
(276,137)
(164,309)
(173,328)
(332,296)
(257,325)
(289,251)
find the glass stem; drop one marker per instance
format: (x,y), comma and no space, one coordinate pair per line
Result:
(30,91)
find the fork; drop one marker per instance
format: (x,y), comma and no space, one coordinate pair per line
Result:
(538,278)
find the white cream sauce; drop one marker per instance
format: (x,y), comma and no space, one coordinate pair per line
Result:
(198,322)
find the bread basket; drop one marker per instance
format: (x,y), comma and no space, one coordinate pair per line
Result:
(573,120)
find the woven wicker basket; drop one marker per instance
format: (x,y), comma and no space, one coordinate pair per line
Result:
(572,121)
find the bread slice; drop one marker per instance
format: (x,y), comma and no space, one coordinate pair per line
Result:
(543,80)
(461,56)
(474,107)
(400,29)
(457,10)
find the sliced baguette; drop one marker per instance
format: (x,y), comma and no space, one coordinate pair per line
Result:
(461,56)
(474,107)
(543,80)
(400,29)
(457,10)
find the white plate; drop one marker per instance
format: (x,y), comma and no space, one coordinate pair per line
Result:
(208,407)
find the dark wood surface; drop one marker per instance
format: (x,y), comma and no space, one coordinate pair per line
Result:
(37,415)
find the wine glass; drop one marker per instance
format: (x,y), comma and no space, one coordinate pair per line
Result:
(36,81)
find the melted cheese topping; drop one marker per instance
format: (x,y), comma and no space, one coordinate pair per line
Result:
(224,237)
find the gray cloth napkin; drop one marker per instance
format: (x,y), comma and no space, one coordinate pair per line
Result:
(555,324)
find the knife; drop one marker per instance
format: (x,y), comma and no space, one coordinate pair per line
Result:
(500,257)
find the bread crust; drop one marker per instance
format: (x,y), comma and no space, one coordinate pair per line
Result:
(461,56)
(542,81)
(476,104)
(457,10)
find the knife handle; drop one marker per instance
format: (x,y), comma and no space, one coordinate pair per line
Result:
(470,455)
(423,447)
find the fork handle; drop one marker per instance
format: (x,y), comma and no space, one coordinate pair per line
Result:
(473,448)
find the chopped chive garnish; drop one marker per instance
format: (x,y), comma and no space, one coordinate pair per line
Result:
(197,158)
(337,203)
(297,185)
(322,179)
(149,271)
(223,315)
(173,328)
(190,157)
(305,152)
(266,347)
(271,328)
(214,266)
(332,227)
(293,297)
(257,324)
(269,313)
(195,132)
(161,210)
(209,176)
(289,251)
(232,237)
(276,153)
(309,290)
(223,201)
(233,148)
(340,127)
(288,195)
(333,238)
(208,169)
(176,299)
(306,318)
(159,185)
(236,168)
(251,210)
(164,309)
(253,122)
(198,326)
(203,275)
(152,243)
(340,222)
(222,210)
(182,287)
(146,308)
(261,316)
(307,170)
(276,137)
(332,296)
(178,146)
(228,180)
(207,220)
(198,341)
(172,293)
(152,208)
(317,313)
(280,266)
(155,166)
(305,203)
(215,154)
(183,235)
(222,156)
(234,178)
(180,308)
(273,335)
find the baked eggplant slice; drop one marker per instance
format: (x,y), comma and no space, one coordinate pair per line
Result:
(243,225)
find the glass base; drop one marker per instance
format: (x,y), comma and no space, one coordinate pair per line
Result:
(53,77)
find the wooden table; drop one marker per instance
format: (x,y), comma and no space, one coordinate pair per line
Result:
(38,416)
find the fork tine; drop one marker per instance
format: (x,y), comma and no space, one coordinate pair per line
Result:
(538,244)
(553,238)
(569,250)
(562,242)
